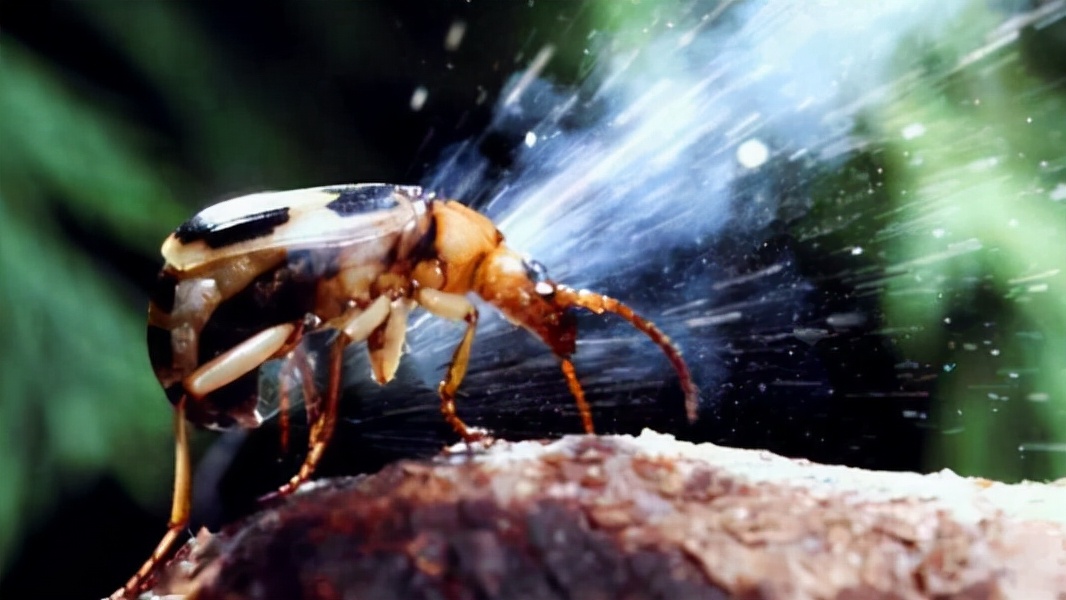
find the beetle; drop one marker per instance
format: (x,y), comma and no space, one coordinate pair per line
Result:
(247,279)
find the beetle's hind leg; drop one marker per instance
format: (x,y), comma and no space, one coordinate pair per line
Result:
(354,326)
(455,308)
(216,373)
(179,510)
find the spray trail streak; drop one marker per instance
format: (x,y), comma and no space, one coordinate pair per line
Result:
(656,170)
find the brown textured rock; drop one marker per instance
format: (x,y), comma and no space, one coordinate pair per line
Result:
(645,517)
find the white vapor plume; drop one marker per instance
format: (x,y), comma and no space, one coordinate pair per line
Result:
(653,163)
(660,150)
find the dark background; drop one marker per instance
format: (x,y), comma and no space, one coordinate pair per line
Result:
(121,119)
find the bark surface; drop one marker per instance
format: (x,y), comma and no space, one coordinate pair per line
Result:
(645,517)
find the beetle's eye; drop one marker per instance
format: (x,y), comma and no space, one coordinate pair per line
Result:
(534,270)
(539,276)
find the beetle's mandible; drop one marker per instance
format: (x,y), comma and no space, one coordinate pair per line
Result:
(245,280)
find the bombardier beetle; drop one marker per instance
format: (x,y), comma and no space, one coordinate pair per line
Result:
(247,279)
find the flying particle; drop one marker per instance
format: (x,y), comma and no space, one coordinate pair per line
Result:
(752,153)
(914,130)
(454,37)
(418,98)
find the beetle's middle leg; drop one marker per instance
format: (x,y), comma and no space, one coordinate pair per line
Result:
(354,326)
(297,366)
(456,308)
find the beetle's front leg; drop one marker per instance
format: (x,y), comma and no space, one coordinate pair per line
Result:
(574,384)
(456,308)
(353,326)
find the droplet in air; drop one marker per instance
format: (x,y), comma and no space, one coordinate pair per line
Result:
(531,139)
(752,153)
(454,37)
(418,98)
(914,130)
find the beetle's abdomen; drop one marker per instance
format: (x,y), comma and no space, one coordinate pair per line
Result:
(243,275)
(284,294)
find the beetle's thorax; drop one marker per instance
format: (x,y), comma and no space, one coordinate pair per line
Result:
(463,239)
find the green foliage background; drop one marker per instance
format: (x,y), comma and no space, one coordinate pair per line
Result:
(77,397)
(73,377)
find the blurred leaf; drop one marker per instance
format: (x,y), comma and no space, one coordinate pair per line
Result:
(978,232)
(62,148)
(77,395)
(218,99)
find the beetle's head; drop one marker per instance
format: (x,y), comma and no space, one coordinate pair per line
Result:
(519,287)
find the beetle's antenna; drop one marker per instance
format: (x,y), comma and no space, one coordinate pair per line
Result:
(599,304)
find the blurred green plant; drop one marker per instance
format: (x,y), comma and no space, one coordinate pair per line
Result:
(976,161)
(967,218)
(77,397)
(78,400)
